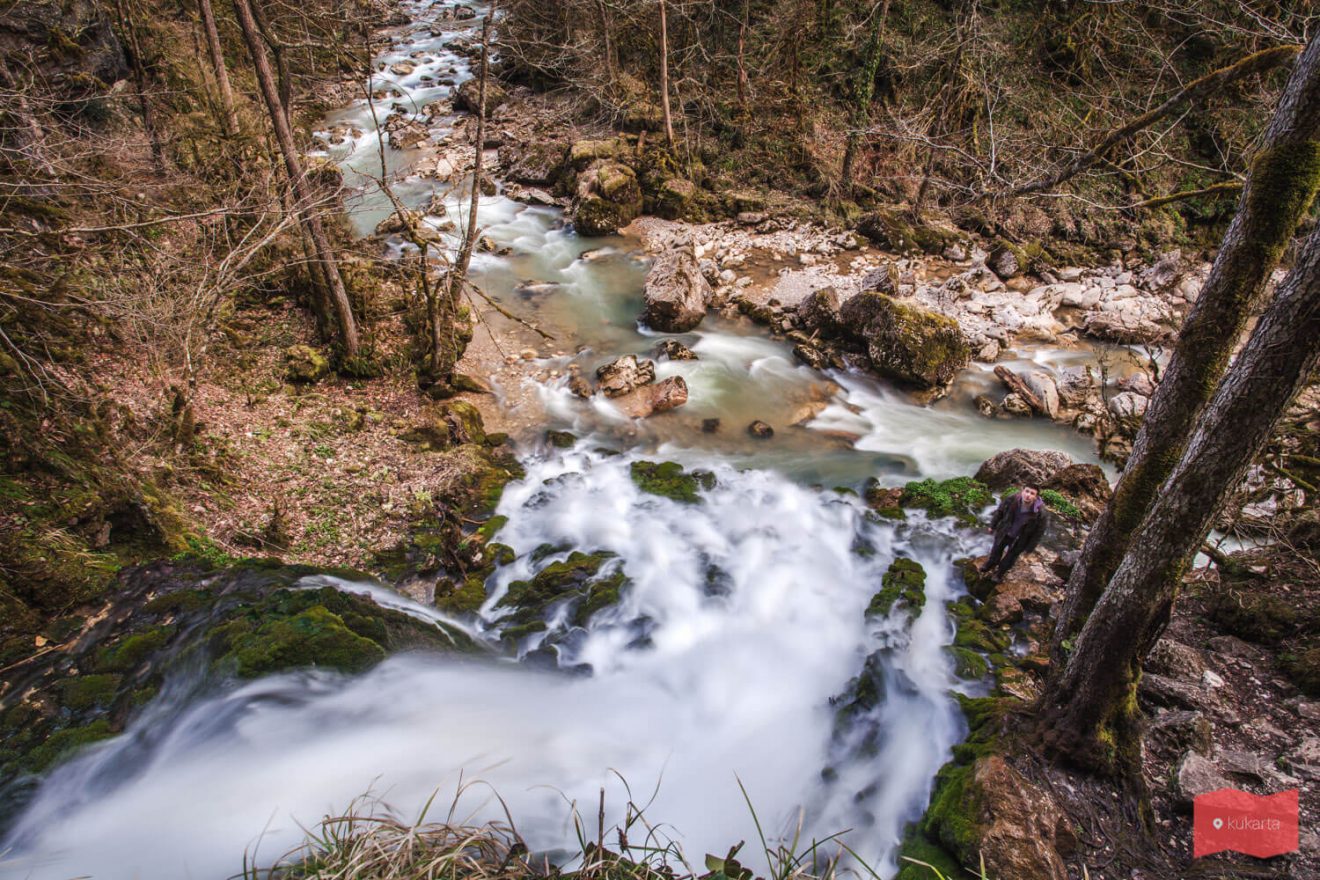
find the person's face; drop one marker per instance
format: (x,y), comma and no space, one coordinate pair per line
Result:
(1029,496)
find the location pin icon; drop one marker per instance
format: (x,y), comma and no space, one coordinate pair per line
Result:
(1218,823)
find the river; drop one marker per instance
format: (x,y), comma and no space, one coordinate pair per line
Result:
(705,694)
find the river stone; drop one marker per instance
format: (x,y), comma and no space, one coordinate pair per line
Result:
(1175,659)
(674,350)
(1180,730)
(1128,405)
(608,198)
(534,162)
(624,374)
(882,280)
(1043,386)
(405,132)
(912,345)
(647,400)
(760,430)
(1003,262)
(819,311)
(676,292)
(1018,467)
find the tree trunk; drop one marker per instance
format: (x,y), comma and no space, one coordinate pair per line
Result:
(129,28)
(1278,193)
(281,59)
(229,116)
(664,76)
(865,90)
(348,333)
(1087,713)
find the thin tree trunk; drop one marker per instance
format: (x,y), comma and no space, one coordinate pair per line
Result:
(664,76)
(608,43)
(129,27)
(1087,713)
(229,117)
(742,49)
(281,60)
(348,333)
(865,87)
(1279,191)
(1197,90)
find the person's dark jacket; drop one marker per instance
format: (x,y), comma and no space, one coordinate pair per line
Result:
(1032,530)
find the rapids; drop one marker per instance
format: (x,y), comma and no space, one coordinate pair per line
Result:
(744,617)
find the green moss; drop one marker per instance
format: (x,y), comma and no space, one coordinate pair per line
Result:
(904,580)
(465,597)
(974,634)
(488,529)
(961,497)
(668,480)
(131,651)
(968,664)
(1255,615)
(179,601)
(313,637)
(577,578)
(916,852)
(96,691)
(59,744)
(1054,500)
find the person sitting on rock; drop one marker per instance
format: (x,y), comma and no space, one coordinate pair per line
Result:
(1018,524)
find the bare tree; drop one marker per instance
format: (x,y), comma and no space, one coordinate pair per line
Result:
(664,76)
(348,332)
(1283,182)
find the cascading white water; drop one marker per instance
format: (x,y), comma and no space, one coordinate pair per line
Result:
(730,685)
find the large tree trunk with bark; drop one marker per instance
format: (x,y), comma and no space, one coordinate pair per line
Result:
(1279,191)
(348,333)
(1088,712)
(229,117)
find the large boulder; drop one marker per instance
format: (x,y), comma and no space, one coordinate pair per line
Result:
(624,374)
(468,96)
(608,198)
(1085,485)
(1016,467)
(676,292)
(1020,826)
(913,345)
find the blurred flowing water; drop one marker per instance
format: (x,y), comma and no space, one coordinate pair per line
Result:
(745,613)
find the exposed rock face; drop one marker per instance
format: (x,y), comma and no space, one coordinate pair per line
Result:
(1198,775)
(1016,467)
(1022,826)
(1085,485)
(624,374)
(468,96)
(676,292)
(608,198)
(906,342)
(760,430)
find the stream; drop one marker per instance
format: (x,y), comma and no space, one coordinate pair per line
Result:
(703,695)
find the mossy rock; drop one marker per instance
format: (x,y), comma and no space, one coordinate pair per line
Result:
(128,653)
(583,153)
(967,664)
(94,691)
(446,425)
(912,345)
(905,581)
(314,637)
(978,636)
(1255,614)
(560,439)
(960,497)
(891,228)
(608,198)
(304,365)
(668,480)
(577,578)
